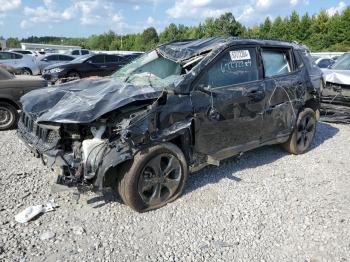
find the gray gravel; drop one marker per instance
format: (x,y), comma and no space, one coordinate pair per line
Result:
(265,206)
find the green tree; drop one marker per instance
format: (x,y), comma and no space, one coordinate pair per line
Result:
(13,42)
(265,29)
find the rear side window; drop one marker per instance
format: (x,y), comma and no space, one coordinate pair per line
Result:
(52,58)
(75,52)
(98,59)
(113,59)
(276,62)
(233,67)
(17,56)
(65,58)
(5,56)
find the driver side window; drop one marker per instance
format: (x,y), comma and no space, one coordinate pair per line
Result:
(235,66)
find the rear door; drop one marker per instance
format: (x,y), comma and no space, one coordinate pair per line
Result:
(284,91)
(228,102)
(10,59)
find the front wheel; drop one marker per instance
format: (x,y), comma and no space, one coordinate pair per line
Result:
(155,177)
(303,134)
(73,75)
(8,116)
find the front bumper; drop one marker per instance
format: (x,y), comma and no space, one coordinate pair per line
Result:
(52,77)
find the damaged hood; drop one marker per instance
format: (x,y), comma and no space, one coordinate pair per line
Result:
(341,77)
(83,101)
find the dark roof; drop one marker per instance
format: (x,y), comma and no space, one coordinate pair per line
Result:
(183,50)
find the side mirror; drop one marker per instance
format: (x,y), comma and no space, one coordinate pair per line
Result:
(207,89)
(204,88)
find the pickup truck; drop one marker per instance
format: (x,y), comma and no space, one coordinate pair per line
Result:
(11,89)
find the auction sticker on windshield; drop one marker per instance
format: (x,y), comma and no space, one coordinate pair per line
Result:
(239,55)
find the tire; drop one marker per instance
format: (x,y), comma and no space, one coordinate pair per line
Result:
(26,71)
(303,134)
(73,74)
(155,177)
(8,116)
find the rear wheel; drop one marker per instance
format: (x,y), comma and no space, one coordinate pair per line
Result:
(154,178)
(26,71)
(8,116)
(303,134)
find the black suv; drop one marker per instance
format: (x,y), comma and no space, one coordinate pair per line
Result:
(172,111)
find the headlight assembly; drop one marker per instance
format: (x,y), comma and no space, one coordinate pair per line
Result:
(56,70)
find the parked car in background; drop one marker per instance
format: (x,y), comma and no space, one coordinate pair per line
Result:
(26,63)
(78,52)
(131,57)
(11,89)
(324,62)
(172,111)
(25,52)
(85,66)
(336,94)
(53,59)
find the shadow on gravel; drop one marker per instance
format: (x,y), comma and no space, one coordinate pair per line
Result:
(102,199)
(211,175)
(255,158)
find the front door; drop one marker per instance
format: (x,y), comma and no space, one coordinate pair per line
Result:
(228,100)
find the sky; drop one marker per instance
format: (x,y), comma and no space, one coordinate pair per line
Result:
(82,18)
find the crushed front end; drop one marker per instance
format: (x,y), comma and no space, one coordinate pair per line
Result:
(81,154)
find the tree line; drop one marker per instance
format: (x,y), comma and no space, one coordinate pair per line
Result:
(320,32)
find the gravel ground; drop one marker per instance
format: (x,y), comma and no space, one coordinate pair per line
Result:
(265,206)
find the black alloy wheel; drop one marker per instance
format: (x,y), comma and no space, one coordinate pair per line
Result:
(155,177)
(306,131)
(159,179)
(303,134)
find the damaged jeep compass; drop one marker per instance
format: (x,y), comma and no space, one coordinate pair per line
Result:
(173,111)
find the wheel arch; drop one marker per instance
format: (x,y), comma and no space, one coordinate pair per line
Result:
(315,105)
(30,70)
(115,161)
(73,71)
(11,102)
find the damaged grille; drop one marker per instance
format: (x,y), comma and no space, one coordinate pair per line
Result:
(42,139)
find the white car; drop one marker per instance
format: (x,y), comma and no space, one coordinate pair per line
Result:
(78,52)
(26,63)
(24,52)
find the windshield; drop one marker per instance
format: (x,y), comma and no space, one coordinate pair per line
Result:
(150,69)
(343,63)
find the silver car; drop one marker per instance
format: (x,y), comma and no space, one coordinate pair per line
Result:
(53,59)
(26,63)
